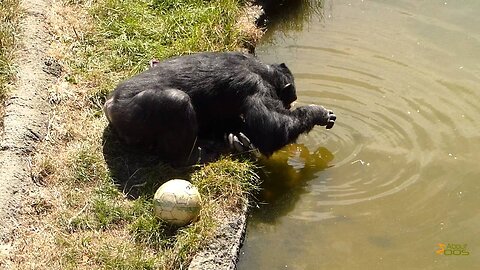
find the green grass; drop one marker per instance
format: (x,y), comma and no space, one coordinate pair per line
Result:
(128,34)
(87,165)
(142,241)
(227,181)
(95,221)
(9,16)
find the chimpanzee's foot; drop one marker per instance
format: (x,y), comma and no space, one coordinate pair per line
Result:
(241,143)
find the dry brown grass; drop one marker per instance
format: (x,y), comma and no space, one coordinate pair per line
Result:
(10,14)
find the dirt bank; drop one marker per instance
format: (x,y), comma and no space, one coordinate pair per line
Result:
(25,117)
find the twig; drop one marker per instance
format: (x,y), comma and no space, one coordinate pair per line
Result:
(77,214)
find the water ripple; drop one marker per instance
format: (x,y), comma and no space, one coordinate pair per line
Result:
(397,113)
(382,138)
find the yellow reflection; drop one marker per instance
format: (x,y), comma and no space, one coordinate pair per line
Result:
(290,168)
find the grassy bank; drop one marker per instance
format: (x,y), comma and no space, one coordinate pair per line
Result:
(9,17)
(92,206)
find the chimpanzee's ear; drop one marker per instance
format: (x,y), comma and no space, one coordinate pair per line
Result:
(282,65)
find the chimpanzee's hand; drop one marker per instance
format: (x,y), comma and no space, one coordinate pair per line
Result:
(324,117)
(331,119)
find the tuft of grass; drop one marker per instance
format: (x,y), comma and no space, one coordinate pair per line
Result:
(108,213)
(147,230)
(10,14)
(88,166)
(115,257)
(227,181)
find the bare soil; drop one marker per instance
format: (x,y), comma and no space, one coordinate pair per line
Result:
(25,120)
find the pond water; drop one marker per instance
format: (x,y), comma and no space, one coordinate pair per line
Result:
(399,173)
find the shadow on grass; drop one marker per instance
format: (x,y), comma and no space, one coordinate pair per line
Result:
(134,172)
(137,173)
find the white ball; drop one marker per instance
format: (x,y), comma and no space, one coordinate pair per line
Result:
(177,202)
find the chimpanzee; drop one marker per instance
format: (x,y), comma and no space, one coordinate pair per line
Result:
(170,106)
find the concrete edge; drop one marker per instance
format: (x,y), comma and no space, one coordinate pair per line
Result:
(224,249)
(223,252)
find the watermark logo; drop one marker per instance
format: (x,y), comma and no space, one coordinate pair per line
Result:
(452,249)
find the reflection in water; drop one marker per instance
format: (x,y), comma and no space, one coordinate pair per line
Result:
(284,176)
(401,171)
(299,12)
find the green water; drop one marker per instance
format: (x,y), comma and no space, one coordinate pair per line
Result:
(400,171)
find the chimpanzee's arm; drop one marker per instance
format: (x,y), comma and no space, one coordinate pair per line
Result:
(270,126)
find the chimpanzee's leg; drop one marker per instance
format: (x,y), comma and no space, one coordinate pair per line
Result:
(162,121)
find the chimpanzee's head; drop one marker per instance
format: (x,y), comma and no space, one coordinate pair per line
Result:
(285,86)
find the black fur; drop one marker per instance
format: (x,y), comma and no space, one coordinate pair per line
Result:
(205,95)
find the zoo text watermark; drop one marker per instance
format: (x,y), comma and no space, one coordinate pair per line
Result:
(452,249)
